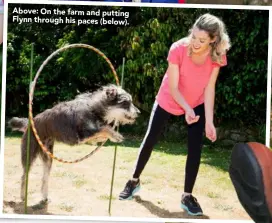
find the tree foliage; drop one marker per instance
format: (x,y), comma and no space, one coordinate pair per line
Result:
(241,87)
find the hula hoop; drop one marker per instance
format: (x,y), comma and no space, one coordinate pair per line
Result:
(31,93)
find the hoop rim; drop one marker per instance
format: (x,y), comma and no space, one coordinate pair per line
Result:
(32,90)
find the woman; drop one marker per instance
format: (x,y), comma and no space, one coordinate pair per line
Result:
(188,88)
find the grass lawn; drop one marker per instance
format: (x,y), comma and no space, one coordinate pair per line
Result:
(83,189)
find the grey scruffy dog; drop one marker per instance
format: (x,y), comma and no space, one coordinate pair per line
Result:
(89,117)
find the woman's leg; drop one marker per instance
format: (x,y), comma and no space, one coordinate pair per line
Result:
(157,121)
(195,139)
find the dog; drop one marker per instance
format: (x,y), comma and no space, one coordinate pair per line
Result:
(88,117)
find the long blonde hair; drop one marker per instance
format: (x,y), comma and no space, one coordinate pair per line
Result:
(215,28)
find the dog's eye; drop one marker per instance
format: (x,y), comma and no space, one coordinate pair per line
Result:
(124,103)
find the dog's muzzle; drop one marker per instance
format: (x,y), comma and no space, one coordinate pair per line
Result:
(132,115)
(136,110)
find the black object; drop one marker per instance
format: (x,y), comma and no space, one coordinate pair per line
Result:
(251,174)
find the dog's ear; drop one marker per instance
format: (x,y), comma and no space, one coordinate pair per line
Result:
(111,93)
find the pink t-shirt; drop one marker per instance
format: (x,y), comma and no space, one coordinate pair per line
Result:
(193,79)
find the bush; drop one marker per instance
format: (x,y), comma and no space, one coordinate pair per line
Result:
(241,88)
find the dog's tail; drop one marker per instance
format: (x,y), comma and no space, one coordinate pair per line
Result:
(18,124)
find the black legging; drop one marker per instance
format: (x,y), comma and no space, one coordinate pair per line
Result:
(158,119)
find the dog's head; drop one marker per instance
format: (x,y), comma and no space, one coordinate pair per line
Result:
(120,108)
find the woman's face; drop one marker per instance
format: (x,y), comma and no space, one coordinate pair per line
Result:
(200,41)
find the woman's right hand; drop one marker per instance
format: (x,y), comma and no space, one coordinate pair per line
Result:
(190,116)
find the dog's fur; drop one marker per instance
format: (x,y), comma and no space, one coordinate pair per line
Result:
(89,117)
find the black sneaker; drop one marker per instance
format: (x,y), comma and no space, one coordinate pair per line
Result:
(130,189)
(189,203)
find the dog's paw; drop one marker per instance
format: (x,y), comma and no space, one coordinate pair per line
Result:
(116,137)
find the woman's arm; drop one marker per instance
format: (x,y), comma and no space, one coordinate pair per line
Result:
(209,95)
(173,77)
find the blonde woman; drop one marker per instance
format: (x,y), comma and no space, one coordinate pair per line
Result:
(188,88)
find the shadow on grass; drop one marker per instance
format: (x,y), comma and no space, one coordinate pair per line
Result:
(19,208)
(163,213)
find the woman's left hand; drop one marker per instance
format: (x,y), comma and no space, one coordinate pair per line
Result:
(210,131)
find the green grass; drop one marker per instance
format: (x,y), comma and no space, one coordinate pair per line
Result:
(66,207)
(106,197)
(213,156)
(79,183)
(168,161)
(166,167)
(162,180)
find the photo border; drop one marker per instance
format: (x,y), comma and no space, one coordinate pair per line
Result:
(129,4)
